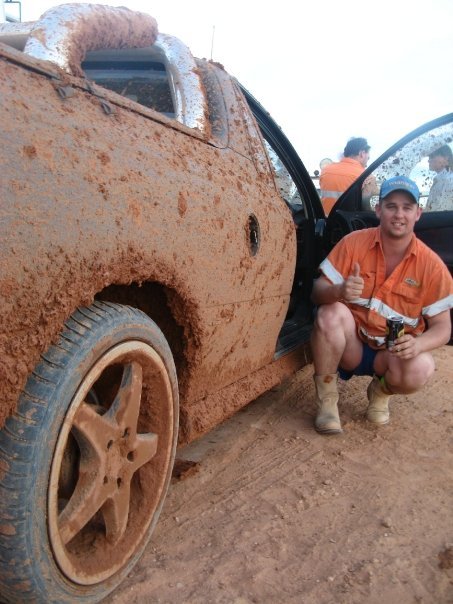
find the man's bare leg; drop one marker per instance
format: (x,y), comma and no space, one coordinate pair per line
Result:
(399,377)
(404,377)
(334,340)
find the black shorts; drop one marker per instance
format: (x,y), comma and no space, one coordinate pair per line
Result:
(365,367)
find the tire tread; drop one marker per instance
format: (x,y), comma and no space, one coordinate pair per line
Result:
(20,439)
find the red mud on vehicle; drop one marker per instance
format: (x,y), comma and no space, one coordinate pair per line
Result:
(103,199)
(147,268)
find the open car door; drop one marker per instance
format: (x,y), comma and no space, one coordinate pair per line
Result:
(409,157)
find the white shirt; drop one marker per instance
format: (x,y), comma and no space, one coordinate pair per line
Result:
(441,193)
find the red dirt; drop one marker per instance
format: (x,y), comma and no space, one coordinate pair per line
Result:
(279,513)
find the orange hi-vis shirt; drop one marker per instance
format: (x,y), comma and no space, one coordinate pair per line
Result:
(336,178)
(420,285)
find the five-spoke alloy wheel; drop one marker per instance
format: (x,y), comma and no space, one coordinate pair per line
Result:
(93,469)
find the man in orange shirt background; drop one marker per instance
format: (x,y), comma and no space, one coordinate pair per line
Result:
(336,177)
(370,276)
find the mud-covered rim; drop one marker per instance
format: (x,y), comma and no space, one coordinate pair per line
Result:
(118,553)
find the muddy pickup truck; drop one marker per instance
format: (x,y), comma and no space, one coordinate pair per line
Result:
(159,239)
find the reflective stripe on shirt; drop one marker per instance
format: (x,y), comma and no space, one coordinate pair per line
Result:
(384,310)
(379,340)
(439,306)
(331,194)
(331,272)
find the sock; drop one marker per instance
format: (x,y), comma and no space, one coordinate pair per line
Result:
(384,386)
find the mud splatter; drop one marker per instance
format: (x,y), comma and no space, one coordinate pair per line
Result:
(446,558)
(182,204)
(30,151)
(65,34)
(7,529)
(92,212)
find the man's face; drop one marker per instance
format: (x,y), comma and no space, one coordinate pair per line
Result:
(364,156)
(398,214)
(437,163)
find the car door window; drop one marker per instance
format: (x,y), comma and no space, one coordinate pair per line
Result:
(412,160)
(285,183)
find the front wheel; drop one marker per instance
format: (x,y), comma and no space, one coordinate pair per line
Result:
(86,461)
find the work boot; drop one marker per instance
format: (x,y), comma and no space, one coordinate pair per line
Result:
(327,419)
(378,408)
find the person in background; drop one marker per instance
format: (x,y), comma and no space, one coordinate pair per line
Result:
(336,177)
(325,162)
(369,276)
(441,193)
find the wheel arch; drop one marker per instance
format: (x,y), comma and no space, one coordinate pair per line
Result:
(167,308)
(173,309)
(178,320)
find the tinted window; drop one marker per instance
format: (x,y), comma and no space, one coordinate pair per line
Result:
(145,82)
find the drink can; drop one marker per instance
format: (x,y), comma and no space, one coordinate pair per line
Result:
(395,329)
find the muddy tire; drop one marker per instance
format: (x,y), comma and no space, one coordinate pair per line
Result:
(86,460)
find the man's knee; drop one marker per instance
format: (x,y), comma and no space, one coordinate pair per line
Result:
(426,367)
(411,376)
(330,316)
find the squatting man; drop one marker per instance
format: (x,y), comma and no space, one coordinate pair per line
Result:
(369,276)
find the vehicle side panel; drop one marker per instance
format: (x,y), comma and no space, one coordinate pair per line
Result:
(90,199)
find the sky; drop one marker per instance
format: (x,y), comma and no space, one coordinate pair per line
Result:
(326,70)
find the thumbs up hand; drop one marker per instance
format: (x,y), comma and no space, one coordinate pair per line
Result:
(353,286)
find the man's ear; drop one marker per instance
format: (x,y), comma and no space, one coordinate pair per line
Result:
(377,209)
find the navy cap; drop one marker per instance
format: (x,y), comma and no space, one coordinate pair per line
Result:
(399,183)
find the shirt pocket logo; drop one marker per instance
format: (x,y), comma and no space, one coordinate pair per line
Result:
(412,282)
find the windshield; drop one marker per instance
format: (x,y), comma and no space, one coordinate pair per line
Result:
(412,160)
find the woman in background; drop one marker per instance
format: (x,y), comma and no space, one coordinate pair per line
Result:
(441,194)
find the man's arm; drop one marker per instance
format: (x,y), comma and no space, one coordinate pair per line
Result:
(438,333)
(325,292)
(369,188)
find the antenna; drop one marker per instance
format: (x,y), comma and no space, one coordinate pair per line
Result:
(11,18)
(212,40)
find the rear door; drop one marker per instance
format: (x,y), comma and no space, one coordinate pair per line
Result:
(296,189)
(409,157)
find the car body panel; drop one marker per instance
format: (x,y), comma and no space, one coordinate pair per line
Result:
(103,197)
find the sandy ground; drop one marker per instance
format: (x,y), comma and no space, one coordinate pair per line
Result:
(273,512)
